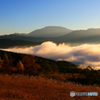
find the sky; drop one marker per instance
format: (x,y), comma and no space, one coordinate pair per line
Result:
(24,16)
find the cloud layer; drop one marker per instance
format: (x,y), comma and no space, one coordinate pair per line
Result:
(84,55)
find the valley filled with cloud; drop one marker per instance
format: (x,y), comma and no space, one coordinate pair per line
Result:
(83,55)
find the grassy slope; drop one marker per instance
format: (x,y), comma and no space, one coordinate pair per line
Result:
(19,87)
(60,70)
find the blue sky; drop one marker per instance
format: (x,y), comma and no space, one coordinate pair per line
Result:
(24,16)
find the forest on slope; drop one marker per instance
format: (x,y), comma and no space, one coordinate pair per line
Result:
(15,63)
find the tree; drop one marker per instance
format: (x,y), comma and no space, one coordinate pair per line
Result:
(36,67)
(5,56)
(20,66)
(28,60)
(6,62)
(1,63)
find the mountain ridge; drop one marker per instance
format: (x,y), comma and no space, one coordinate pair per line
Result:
(74,36)
(50,31)
(91,35)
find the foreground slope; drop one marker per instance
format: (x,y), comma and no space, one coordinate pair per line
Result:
(19,87)
(25,64)
(32,64)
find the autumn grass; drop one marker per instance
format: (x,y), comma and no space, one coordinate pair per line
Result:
(20,87)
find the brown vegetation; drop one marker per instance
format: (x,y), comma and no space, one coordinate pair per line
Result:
(52,87)
(13,63)
(20,87)
(20,66)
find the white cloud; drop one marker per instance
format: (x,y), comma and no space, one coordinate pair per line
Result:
(86,54)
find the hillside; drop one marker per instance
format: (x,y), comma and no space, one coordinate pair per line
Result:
(6,43)
(32,64)
(80,36)
(25,38)
(14,63)
(20,87)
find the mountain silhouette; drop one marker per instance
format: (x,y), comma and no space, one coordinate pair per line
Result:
(6,43)
(82,36)
(50,31)
(58,34)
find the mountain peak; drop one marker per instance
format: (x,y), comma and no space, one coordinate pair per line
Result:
(54,27)
(50,31)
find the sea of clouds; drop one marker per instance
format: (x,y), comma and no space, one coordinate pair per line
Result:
(83,55)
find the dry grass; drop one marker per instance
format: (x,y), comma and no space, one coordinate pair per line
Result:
(20,87)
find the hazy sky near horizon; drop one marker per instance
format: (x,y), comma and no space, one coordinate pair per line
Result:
(24,16)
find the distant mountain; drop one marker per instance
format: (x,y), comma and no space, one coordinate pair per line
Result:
(50,31)
(82,36)
(6,43)
(58,35)
(45,34)
(25,38)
